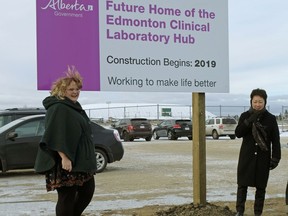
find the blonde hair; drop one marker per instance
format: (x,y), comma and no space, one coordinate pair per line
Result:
(60,86)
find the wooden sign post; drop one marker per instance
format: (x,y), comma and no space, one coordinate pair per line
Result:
(199,149)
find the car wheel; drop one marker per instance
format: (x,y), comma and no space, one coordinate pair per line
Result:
(190,138)
(148,138)
(171,136)
(126,136)
(155,136)
(215,134)
(232,137)
(101,159)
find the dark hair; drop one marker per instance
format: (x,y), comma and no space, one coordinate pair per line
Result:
(258,92)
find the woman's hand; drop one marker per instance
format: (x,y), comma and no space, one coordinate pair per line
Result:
(66,162)
(274,163)
(252,118)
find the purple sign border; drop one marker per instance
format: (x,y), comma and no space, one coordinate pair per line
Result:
(68,34)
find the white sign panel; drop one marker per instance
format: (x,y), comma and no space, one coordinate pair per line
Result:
(164,46)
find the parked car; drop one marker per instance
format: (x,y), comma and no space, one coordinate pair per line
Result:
(20,138)
(173,129)
(134,128)
(11,114)
(108,146)
(221,126)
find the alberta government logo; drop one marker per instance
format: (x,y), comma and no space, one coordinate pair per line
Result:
(62,8)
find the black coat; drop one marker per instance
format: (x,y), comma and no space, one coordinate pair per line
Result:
(253,165)
(68,130)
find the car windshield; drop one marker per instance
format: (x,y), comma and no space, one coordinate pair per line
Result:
(96,126)
(183,121)
(11,124)
(229,121)
(5,119)
(7,126)
(139,121)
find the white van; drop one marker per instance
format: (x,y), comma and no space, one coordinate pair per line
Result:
(221,126)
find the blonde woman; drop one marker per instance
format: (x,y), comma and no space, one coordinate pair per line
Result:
(66,154)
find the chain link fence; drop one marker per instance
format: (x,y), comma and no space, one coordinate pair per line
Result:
(158,112)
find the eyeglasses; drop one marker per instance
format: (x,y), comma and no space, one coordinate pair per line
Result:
(73,89)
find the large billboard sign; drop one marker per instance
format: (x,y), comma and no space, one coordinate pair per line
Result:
(68,34)
(139,45)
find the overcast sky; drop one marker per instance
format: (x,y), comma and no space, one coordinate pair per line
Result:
(258,32)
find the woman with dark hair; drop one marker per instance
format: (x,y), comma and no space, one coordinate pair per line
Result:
(260,151)
(66,154)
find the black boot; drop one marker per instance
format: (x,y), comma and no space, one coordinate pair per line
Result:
(259,201)
(241,199)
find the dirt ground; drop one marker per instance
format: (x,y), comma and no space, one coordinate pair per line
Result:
(153,179)
(223,150)
(273,207)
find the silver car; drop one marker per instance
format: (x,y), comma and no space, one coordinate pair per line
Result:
(221,126)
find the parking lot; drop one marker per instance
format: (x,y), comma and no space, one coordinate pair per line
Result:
(150,173)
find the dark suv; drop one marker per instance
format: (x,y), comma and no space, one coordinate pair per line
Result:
(9,115)
(134,128)
(173,128)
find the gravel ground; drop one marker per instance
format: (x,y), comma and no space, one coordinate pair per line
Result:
(153,178)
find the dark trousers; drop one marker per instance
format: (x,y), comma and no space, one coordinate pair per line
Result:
(259,200)
(72,201)
(258,203)
(241,198)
